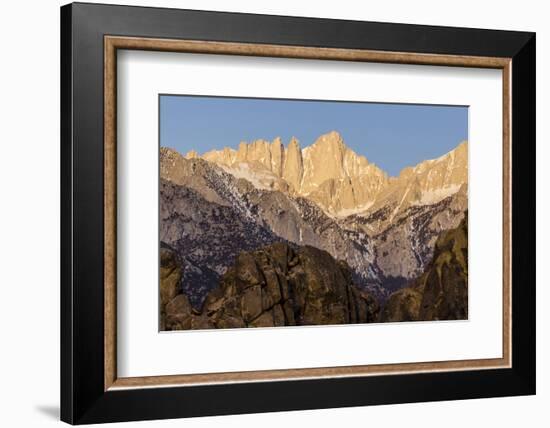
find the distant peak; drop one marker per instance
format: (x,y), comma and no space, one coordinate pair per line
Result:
(192,154)
(332,136)
(165,149)
(169,153)
(294,143)
(277,141)
(462,147)
(331,139)
(460,150)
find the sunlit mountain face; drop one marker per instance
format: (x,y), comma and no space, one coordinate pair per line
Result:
(247,234)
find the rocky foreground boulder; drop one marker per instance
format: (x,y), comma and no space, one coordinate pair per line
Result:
(170,278)
(441,292)
(278,285)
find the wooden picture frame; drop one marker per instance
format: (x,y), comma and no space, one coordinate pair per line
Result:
(91,390)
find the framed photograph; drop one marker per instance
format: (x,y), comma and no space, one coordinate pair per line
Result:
(266,213)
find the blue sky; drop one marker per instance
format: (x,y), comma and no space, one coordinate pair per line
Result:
(390,135)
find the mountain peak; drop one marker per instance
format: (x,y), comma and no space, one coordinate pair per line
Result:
(332,138)
(334,176)
(294,143)
(331,135)
(293,166)
(330,159)
(192,154)
(277,141)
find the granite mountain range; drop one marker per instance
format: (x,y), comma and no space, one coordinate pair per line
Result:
(218,205)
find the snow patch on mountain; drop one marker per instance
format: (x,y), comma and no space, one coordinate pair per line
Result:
(261,179)
(433,196)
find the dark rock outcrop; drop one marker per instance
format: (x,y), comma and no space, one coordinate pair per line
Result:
(170,274)
(176,311)
(278,285)
(169,283)
(441,292)
(206,236)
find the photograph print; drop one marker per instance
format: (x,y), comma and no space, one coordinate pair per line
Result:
(282,212)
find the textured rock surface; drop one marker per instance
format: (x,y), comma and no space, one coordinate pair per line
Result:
(222,203)
(403,305)
(327,172)
(441,292)
(170,275)
(169,281)
(341,182)
(210,215)
(427,183)
(276,286)
(405,245)
(207,236)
